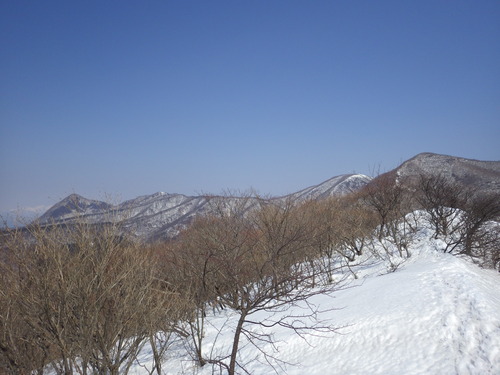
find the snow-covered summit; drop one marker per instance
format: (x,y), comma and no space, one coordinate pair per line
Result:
(482,175)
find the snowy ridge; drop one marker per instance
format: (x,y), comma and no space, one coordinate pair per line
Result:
(437,314)
(161,215)
(338,185)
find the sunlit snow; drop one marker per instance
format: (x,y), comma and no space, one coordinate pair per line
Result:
(437,314)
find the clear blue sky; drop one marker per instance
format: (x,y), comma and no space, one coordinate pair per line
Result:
(133,97)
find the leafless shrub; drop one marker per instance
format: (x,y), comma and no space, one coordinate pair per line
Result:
(390,201)
(252,262)
(443,200)
(341,230)
(88,299)
(463,220)
(479,233)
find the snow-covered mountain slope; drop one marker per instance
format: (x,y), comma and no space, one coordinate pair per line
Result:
(437,314)
(483,176)
(74,205)
(338,185)
(162,216)
(149,217)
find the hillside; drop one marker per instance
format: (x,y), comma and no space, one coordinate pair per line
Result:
(482,176)
(360,285)
(437,314)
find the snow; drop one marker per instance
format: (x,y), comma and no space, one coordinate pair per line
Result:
(338,185)
(436,314)
(429,318)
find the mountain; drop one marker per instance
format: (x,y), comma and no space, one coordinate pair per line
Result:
(482,176)
(161,216)
(74,205)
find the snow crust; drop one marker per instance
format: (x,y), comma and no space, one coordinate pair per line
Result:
(437,314)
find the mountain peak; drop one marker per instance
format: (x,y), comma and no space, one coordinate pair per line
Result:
(74,205)
(483,176)
(74,198)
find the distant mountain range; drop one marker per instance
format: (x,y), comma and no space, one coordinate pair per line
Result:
(161,216)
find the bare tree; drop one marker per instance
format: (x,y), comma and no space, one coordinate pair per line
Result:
(462,219)
(356,227)
(202,257)
(255,262)
(389,199)
(22,350)
(443,200)
(475,234)
(341,228)
(384,196)
(89,298)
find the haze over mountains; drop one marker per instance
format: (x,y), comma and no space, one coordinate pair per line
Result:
(163,215)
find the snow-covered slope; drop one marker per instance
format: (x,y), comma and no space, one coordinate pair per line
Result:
(338,185)
(437,314)
(483,176)
(74,205)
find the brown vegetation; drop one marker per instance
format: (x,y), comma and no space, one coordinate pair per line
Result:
(80,300)
(83,299)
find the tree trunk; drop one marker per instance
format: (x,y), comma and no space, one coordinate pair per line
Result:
(236,342)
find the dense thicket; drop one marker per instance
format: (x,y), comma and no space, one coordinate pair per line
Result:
(84,301)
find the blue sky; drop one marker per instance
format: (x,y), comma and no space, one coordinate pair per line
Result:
(126,98)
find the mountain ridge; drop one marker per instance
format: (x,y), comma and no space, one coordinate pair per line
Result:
(483,176)
(161,216)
